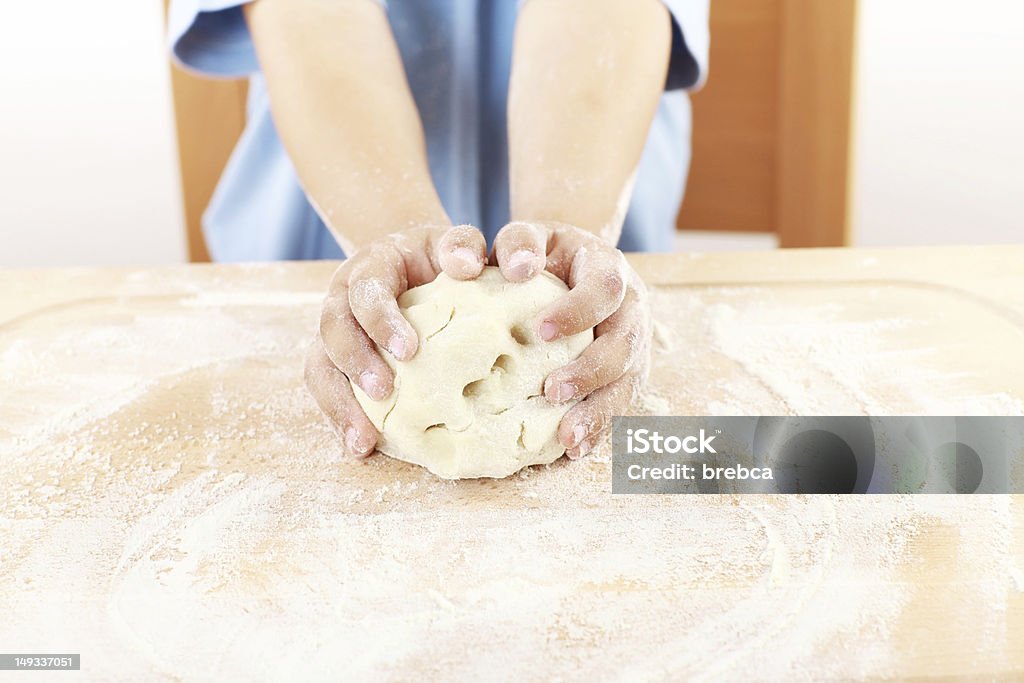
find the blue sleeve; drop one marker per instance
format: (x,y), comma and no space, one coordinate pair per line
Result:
(212,38)
(688,67)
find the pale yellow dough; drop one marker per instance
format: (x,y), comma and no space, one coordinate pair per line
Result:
(470,403)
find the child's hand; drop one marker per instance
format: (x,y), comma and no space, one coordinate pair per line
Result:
(361,309)
(606,294)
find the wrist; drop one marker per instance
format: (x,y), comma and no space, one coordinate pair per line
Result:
(606,228)
(596,206)
(355,226)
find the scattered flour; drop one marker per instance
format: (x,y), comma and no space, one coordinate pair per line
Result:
(175,508)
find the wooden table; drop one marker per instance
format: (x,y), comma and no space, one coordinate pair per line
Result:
(174,507)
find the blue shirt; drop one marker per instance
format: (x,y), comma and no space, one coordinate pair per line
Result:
(457,56)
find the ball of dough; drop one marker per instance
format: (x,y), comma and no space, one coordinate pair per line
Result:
(470,402)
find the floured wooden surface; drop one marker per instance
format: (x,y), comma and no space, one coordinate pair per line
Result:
(174,506)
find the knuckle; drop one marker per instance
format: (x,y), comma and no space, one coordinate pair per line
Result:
(613,283)
(514,228)
(632,338)
(518,234)
(314,375)
(340,278)
(614,362)
(631,349)
(332,313)
(368,296)
(461,236)
(380,250)
(638,286)
(629,391)
(378,261)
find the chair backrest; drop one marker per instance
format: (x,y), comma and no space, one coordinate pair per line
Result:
(772,127)
(771,135)
(209,117)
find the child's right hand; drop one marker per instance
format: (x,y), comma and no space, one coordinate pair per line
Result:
(361,309)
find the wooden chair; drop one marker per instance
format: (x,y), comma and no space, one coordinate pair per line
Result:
(771,140)
(771,129)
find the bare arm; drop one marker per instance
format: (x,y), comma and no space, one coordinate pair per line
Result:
(345,114)
(343,109)
(586,79)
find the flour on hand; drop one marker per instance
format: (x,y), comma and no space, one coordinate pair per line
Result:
(470,403)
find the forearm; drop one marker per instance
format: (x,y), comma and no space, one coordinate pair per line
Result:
(345,115)
(586,79)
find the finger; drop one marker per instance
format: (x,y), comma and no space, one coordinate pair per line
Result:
(616,349)
(375,283)
(598,281)
(462,252)
(333,393)
(582,427)
(520,250)
(418,248)
(351,351)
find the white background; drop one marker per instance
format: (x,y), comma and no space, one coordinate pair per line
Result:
(88,168)
(88,163)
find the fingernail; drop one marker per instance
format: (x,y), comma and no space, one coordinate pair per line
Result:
(351,440)
(564,391)
(373,385)
(548,330)
(579,451)
(522,264)
(577,434)
(467,256)
(397,347)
